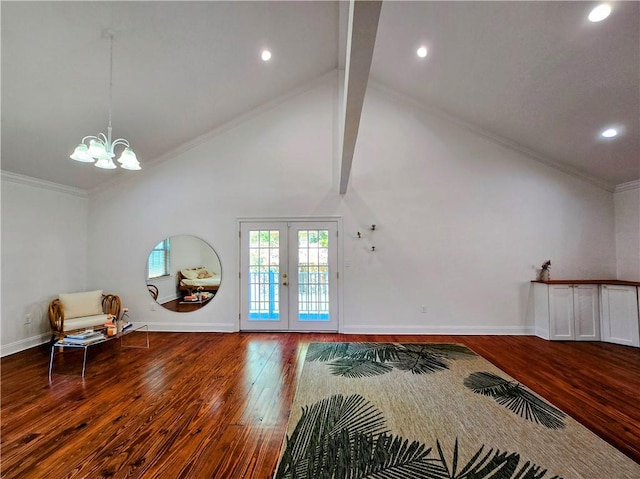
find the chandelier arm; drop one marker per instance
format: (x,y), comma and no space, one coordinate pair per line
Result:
(120,141)
(89,137)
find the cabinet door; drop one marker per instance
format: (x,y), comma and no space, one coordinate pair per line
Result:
(586,312)
(561,313)
(620,314)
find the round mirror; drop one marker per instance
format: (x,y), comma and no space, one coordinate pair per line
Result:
(183,273)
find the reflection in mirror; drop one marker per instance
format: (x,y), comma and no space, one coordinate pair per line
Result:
(153,290)
(183,273)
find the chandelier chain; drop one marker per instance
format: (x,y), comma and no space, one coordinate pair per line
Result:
(110,76)
(101,148)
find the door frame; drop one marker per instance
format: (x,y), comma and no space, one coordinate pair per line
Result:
(280,219)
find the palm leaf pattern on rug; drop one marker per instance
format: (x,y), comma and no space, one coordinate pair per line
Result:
(516,398)
(358,360)
(345,438)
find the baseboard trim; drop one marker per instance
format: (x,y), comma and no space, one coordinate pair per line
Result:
(181,327)
(453,330)
(166,299)
(23,344)
(541,333)
(189,327)
(27,343)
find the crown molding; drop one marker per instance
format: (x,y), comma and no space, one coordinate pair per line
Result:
(42,184)
(631,185)
(441,114)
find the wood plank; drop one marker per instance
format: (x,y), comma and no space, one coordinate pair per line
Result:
(216,404)
(589,281)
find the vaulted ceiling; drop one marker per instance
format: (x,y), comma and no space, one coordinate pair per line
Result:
(537,76)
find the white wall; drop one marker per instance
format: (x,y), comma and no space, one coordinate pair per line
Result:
(44,246)
(192,252)
(275,163)
(627,213)
(462,222)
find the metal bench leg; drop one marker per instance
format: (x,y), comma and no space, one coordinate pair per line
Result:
(53,348)
(84,361)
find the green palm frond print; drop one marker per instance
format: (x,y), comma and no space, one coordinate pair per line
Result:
(345,438)
(516,398)
(359,360)
(358,368)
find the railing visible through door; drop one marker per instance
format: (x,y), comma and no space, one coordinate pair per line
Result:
(313,295)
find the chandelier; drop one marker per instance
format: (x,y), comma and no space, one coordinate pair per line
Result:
(101,148)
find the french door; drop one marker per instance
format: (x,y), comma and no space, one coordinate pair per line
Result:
(288,276)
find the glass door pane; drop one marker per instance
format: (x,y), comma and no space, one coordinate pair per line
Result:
(264,298)
(313,275)
(313,300)
(264,275)
(288,276)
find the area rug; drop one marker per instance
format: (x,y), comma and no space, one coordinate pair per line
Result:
(433,411)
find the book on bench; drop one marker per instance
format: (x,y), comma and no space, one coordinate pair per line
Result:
(85,337)
(89,333)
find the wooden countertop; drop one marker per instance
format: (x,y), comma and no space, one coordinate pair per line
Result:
(589,281)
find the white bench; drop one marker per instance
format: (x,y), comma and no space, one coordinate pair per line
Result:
(77,311)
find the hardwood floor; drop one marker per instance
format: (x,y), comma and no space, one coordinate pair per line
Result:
(209,405)
(180,306)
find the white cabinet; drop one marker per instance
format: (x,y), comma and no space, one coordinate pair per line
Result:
(620,314)
(561,320)
(567,312)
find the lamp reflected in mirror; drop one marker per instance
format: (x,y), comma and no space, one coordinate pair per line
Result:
(183,273)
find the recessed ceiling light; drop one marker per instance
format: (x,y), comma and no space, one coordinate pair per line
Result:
(422,52)
(609,133)
(599,13)
(266,55)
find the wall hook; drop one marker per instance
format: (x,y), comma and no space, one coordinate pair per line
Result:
(373,227)
(359,236)
(373,248)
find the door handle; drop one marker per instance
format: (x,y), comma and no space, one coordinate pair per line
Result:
(284,283)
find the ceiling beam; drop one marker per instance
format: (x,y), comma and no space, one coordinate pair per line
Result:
(361,39)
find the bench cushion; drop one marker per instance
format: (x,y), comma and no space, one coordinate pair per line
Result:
(85,322)
(77,305)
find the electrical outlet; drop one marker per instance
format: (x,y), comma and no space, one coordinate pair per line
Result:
(423,308)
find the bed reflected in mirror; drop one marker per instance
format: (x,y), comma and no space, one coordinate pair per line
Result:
(183,273)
